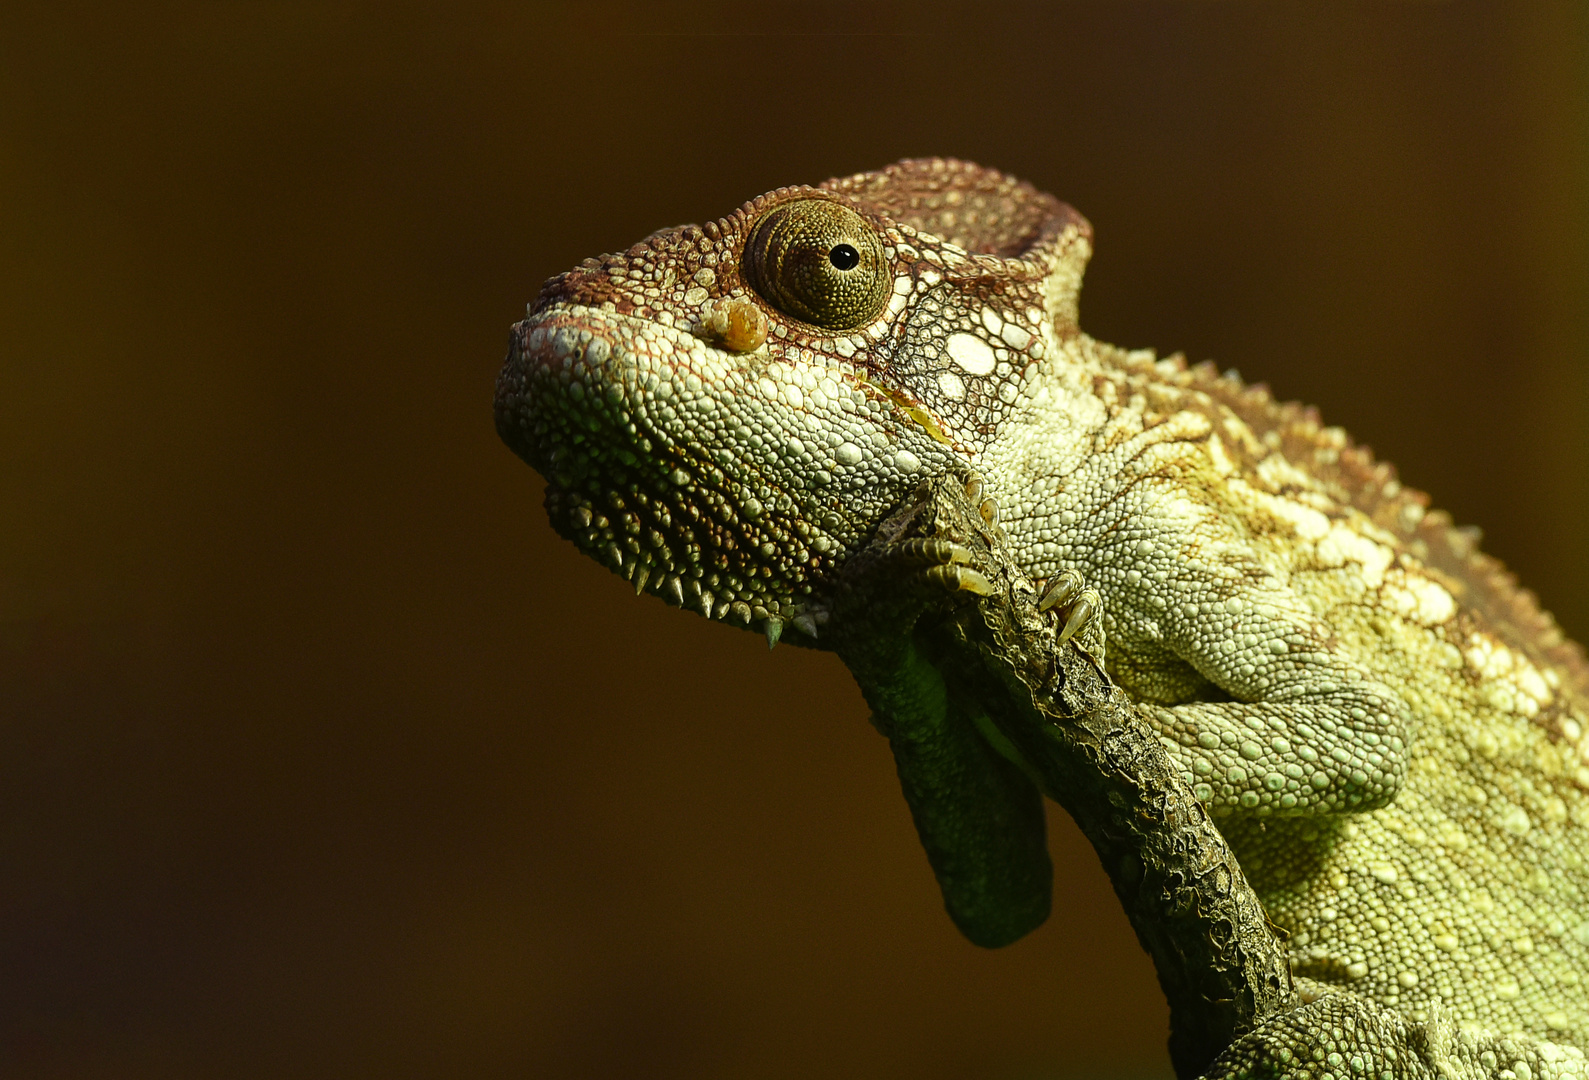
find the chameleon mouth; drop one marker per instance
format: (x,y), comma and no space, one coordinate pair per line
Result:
(731,483)
(619,414)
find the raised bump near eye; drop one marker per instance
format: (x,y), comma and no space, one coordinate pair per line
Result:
(818,261)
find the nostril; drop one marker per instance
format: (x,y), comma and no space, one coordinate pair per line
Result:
(737,325)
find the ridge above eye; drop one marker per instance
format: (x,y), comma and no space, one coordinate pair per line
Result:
(818,261)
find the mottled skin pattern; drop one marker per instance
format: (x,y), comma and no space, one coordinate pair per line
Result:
(1392,734)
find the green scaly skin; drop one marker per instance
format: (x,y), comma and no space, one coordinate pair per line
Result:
(1390,734)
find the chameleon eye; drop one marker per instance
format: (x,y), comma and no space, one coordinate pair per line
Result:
(818,261)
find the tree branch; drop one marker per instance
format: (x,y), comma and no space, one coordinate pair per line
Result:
(1219,961)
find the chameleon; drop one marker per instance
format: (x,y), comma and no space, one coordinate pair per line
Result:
(1388,731)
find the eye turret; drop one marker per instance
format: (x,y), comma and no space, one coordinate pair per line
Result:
(818,261)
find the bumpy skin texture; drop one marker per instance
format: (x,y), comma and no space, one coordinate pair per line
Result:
(1390,733)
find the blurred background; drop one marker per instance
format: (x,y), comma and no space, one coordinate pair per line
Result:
(320,755)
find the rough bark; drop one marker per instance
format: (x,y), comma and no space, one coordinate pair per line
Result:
(1219,961)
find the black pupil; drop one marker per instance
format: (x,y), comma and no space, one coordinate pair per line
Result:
(844,257)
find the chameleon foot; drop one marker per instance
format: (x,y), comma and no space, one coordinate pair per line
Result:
(987,507)
(1081,605)
(960,579)
(947,564)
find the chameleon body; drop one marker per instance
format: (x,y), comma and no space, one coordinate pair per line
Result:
(1388,731)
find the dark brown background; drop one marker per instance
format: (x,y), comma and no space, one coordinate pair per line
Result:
(321,756)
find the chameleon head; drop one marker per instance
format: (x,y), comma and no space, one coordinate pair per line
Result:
(723,413)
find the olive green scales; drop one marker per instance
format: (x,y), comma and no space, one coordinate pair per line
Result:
(1390,734)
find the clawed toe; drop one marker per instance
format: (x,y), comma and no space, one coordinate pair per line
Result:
(1068,591)
(988,507)
(1062,589)
(959,579)
(948,564)
(933,550)
(1081,615)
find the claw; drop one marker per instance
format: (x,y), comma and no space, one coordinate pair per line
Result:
(960,579)
(932,549)
(1083,613)
(989,509)
(1065,587)
(974,487)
